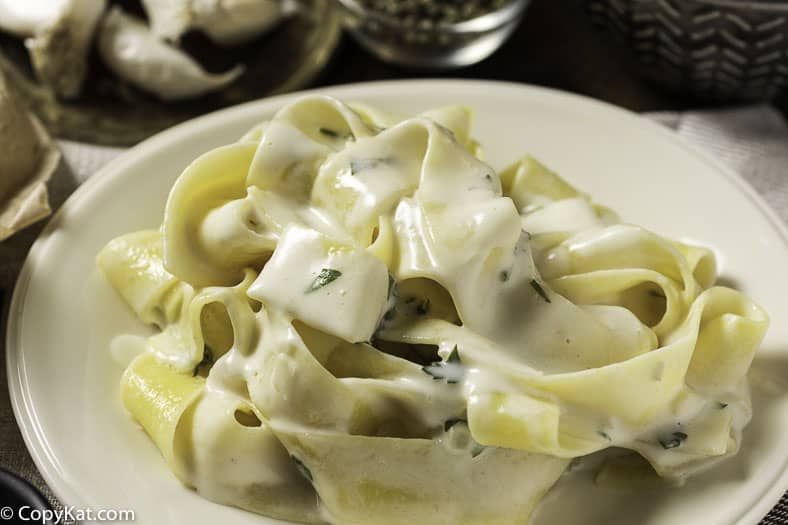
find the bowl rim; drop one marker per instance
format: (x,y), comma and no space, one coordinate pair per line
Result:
(510,12)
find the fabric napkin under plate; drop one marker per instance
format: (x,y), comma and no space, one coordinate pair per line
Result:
(753,141)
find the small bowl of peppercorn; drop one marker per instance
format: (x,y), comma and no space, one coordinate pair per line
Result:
(432,33)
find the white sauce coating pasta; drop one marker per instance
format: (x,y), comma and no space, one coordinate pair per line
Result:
(362,322)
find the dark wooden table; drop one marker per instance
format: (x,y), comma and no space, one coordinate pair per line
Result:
(556,46)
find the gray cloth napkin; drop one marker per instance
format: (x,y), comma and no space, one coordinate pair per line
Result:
(753,141)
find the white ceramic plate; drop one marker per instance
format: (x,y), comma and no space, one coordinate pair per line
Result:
(64,383)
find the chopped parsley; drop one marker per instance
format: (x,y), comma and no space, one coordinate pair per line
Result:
(207,360)
(334,134)
(423,307)
(359,165)
(721,405)
(391,299)
(503,276)
(328,132)
(478,449)
(521,246)
(538,288)
(392,292)
(417,306)
(673,441)
(302,468)
(604,434)
(325,277)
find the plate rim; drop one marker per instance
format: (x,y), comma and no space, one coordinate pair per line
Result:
(19,394)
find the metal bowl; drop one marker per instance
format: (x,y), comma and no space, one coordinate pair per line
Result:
(439,45)
(723,50)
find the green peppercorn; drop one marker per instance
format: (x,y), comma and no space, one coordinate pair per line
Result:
(423,14)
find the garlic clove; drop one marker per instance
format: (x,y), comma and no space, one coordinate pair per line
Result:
(226,22)
(134,53)
(25,18)
(59,51)
(60,34)
(169,19)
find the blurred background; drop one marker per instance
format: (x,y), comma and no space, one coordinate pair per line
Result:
(107,74)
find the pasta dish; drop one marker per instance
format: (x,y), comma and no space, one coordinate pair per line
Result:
(358,321)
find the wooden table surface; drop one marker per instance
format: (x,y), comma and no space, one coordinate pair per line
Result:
(556,46)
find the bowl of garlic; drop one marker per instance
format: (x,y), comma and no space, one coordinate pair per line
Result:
(116,71)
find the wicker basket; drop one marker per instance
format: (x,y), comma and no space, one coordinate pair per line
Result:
(714,49)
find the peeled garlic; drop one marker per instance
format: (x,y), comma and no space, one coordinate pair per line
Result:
(134,53)
(24,18)
(226,22)
(60,33)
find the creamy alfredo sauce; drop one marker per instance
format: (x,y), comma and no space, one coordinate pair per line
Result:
(357,245)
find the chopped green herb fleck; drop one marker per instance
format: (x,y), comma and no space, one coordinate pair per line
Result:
(538,287)
(488,177)
(392,287)
(326,276)
(391,299)
(503,276)
(451,422)
(655,293)
(521,246)
(675,440)
(478,449)
(721,405)
(604,435)
(302,468)
(328,132)
(424,307)
(207,360)
(359,165)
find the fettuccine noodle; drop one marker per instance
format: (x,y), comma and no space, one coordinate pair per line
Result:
(361,322)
